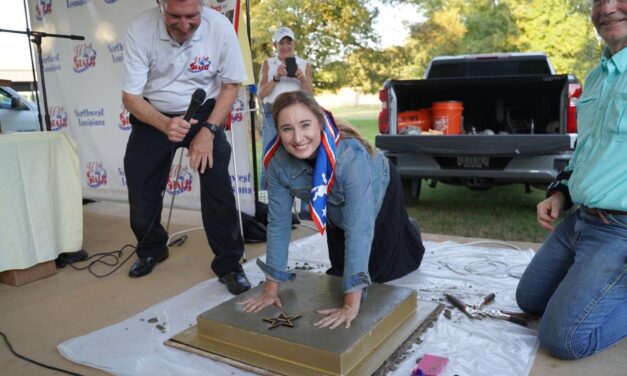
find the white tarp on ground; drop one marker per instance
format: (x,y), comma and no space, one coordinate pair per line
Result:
(474,347)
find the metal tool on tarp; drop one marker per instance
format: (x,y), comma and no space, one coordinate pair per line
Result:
(476,311)
(487,299)
(470,311)
(515,317)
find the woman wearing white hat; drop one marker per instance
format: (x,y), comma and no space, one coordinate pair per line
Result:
(275,80)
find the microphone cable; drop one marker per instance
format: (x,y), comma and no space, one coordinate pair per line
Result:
(198,98)
(6,340)
(116,255)
(99,258)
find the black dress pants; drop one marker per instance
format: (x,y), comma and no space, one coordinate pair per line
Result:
(397,247)
(147,164)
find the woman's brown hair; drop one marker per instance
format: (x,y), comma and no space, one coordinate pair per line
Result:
(301,97)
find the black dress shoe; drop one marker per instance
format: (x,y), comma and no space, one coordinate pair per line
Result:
(236,282)
(144,265)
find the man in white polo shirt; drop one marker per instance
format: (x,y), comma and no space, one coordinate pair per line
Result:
(170,51)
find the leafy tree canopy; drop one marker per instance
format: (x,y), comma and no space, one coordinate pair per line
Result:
(338,38)
(326,31)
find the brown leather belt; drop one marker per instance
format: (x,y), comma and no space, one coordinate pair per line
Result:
(601,213)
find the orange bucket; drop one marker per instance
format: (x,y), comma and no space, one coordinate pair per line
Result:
(447,117)
(420,118)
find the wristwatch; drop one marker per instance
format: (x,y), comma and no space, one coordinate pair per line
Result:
(212,128)
(557,186)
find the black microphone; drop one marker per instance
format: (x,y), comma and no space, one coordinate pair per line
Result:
(197,100)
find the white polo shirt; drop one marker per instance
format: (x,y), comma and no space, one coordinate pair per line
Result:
(167,73)
(285,83)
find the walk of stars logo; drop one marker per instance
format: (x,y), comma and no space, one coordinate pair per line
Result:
(199,64)
(281,320)
(96,175)
(42,9)
(84,57)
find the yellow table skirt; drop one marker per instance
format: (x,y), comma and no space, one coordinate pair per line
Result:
(40,198)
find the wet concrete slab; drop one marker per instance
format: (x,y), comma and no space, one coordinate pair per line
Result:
(386,319)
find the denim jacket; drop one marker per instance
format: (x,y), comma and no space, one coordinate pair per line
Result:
(353,204)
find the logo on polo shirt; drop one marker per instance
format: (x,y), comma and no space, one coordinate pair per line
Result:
(96,174)
(200,64)
(42,8)
(84,57)
(125,123)
(180,180)
(58,118)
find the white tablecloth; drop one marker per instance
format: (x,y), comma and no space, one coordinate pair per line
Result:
(40,198)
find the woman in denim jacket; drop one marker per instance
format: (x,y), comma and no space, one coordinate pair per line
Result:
(354,193)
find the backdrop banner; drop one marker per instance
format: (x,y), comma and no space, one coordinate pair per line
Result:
(83,82)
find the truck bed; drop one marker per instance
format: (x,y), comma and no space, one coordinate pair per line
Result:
(478,145)
(510,104)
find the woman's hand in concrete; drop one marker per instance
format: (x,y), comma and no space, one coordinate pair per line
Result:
(269,296)
(335,317)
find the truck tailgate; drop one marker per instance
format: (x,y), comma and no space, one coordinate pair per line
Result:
(494,145)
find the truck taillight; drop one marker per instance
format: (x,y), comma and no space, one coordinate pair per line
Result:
(574,92)
(384,123)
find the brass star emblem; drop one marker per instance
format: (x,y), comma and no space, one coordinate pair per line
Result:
(281,320)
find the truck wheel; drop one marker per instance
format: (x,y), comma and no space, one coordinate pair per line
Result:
(411,190)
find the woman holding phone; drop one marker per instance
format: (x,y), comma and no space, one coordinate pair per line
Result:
(280,74)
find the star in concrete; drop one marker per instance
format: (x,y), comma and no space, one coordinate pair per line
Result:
(281,320)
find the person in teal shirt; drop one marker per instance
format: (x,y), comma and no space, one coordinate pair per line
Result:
(578,279)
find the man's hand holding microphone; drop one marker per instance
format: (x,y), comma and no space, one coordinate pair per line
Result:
(179,126)
(201,147)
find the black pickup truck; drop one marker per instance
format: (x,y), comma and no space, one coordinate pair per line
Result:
(519,122)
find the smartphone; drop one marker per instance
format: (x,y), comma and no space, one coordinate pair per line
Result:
(290,65)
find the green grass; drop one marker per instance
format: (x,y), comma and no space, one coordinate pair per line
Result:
(506,213)
(369,112)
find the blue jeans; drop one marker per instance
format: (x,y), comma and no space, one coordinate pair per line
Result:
(577,282)
(268,133)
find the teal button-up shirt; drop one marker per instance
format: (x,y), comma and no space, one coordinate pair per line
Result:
(599,163)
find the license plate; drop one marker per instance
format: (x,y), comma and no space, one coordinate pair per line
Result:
(473,162)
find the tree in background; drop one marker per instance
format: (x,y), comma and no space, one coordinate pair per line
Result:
(337,36)
(490,26)
(562,29)
(441,34)
(326,31)
(366,69)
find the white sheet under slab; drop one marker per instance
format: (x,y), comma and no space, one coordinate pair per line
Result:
(478,347)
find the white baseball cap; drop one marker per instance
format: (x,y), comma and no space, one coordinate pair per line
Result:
(283,32)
